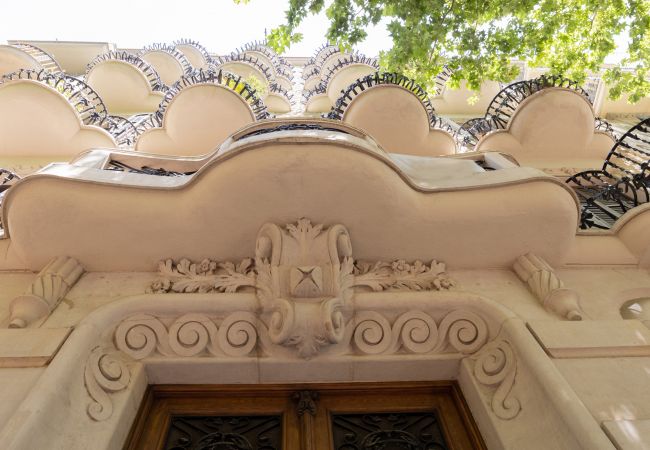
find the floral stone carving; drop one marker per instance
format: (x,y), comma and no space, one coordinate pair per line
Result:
(304,277)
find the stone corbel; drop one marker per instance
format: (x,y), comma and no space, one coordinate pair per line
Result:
(45,292)
(544,283)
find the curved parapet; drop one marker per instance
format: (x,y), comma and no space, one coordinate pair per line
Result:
(259,50)
(316,100)
(196,54)
(324,52)
(85,100)
(505,103)
(198,113)
(127,84)
(456,102)
(39,124)
(345,71)
(396,112)
(170,63)
(248,67)
(18,56)
(279,100)
(551,129)
(263,175)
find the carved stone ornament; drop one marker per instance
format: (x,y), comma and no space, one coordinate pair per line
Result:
(304,277)
(45,292)
(105,373)
(496,365)
(237,334)
(544,283)
(141,335)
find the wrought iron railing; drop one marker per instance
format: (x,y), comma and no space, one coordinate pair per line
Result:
(310,69)
(280,65)
(316,90)
(149,72)
(388,78)
(505,103)
(440,85)
(85,101)
(348,60)
(376,79)
(323,52)
(204,51)
(228,80)
(120,166)
(277,89)
(172,51)
(44,59)
(623,182)
(123,130)
(252,61)
(196,45)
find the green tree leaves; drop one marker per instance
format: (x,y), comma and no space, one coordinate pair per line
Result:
(478,39)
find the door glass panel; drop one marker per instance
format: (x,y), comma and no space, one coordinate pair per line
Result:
(388,431)
(224,433)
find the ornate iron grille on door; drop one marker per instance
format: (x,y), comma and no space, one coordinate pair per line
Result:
(408,431)
(225,433)
(353,416)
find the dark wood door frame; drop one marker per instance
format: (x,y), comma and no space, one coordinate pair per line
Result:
(305,408)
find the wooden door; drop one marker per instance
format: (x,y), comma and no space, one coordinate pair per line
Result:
(354,416)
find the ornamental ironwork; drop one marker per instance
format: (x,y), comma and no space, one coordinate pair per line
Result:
(621,184)
(281,66)
(387,78)
(83,99)
(173,52)
(120,166)
(323,52)
(251,61)
(224,432)
(123,130)
(147,69)
(382,431)
(376,79)
(505,102)
(44,59)
(228,80)
(189,42)
(354,58)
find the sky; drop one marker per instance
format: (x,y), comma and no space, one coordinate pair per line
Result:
(220,25)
